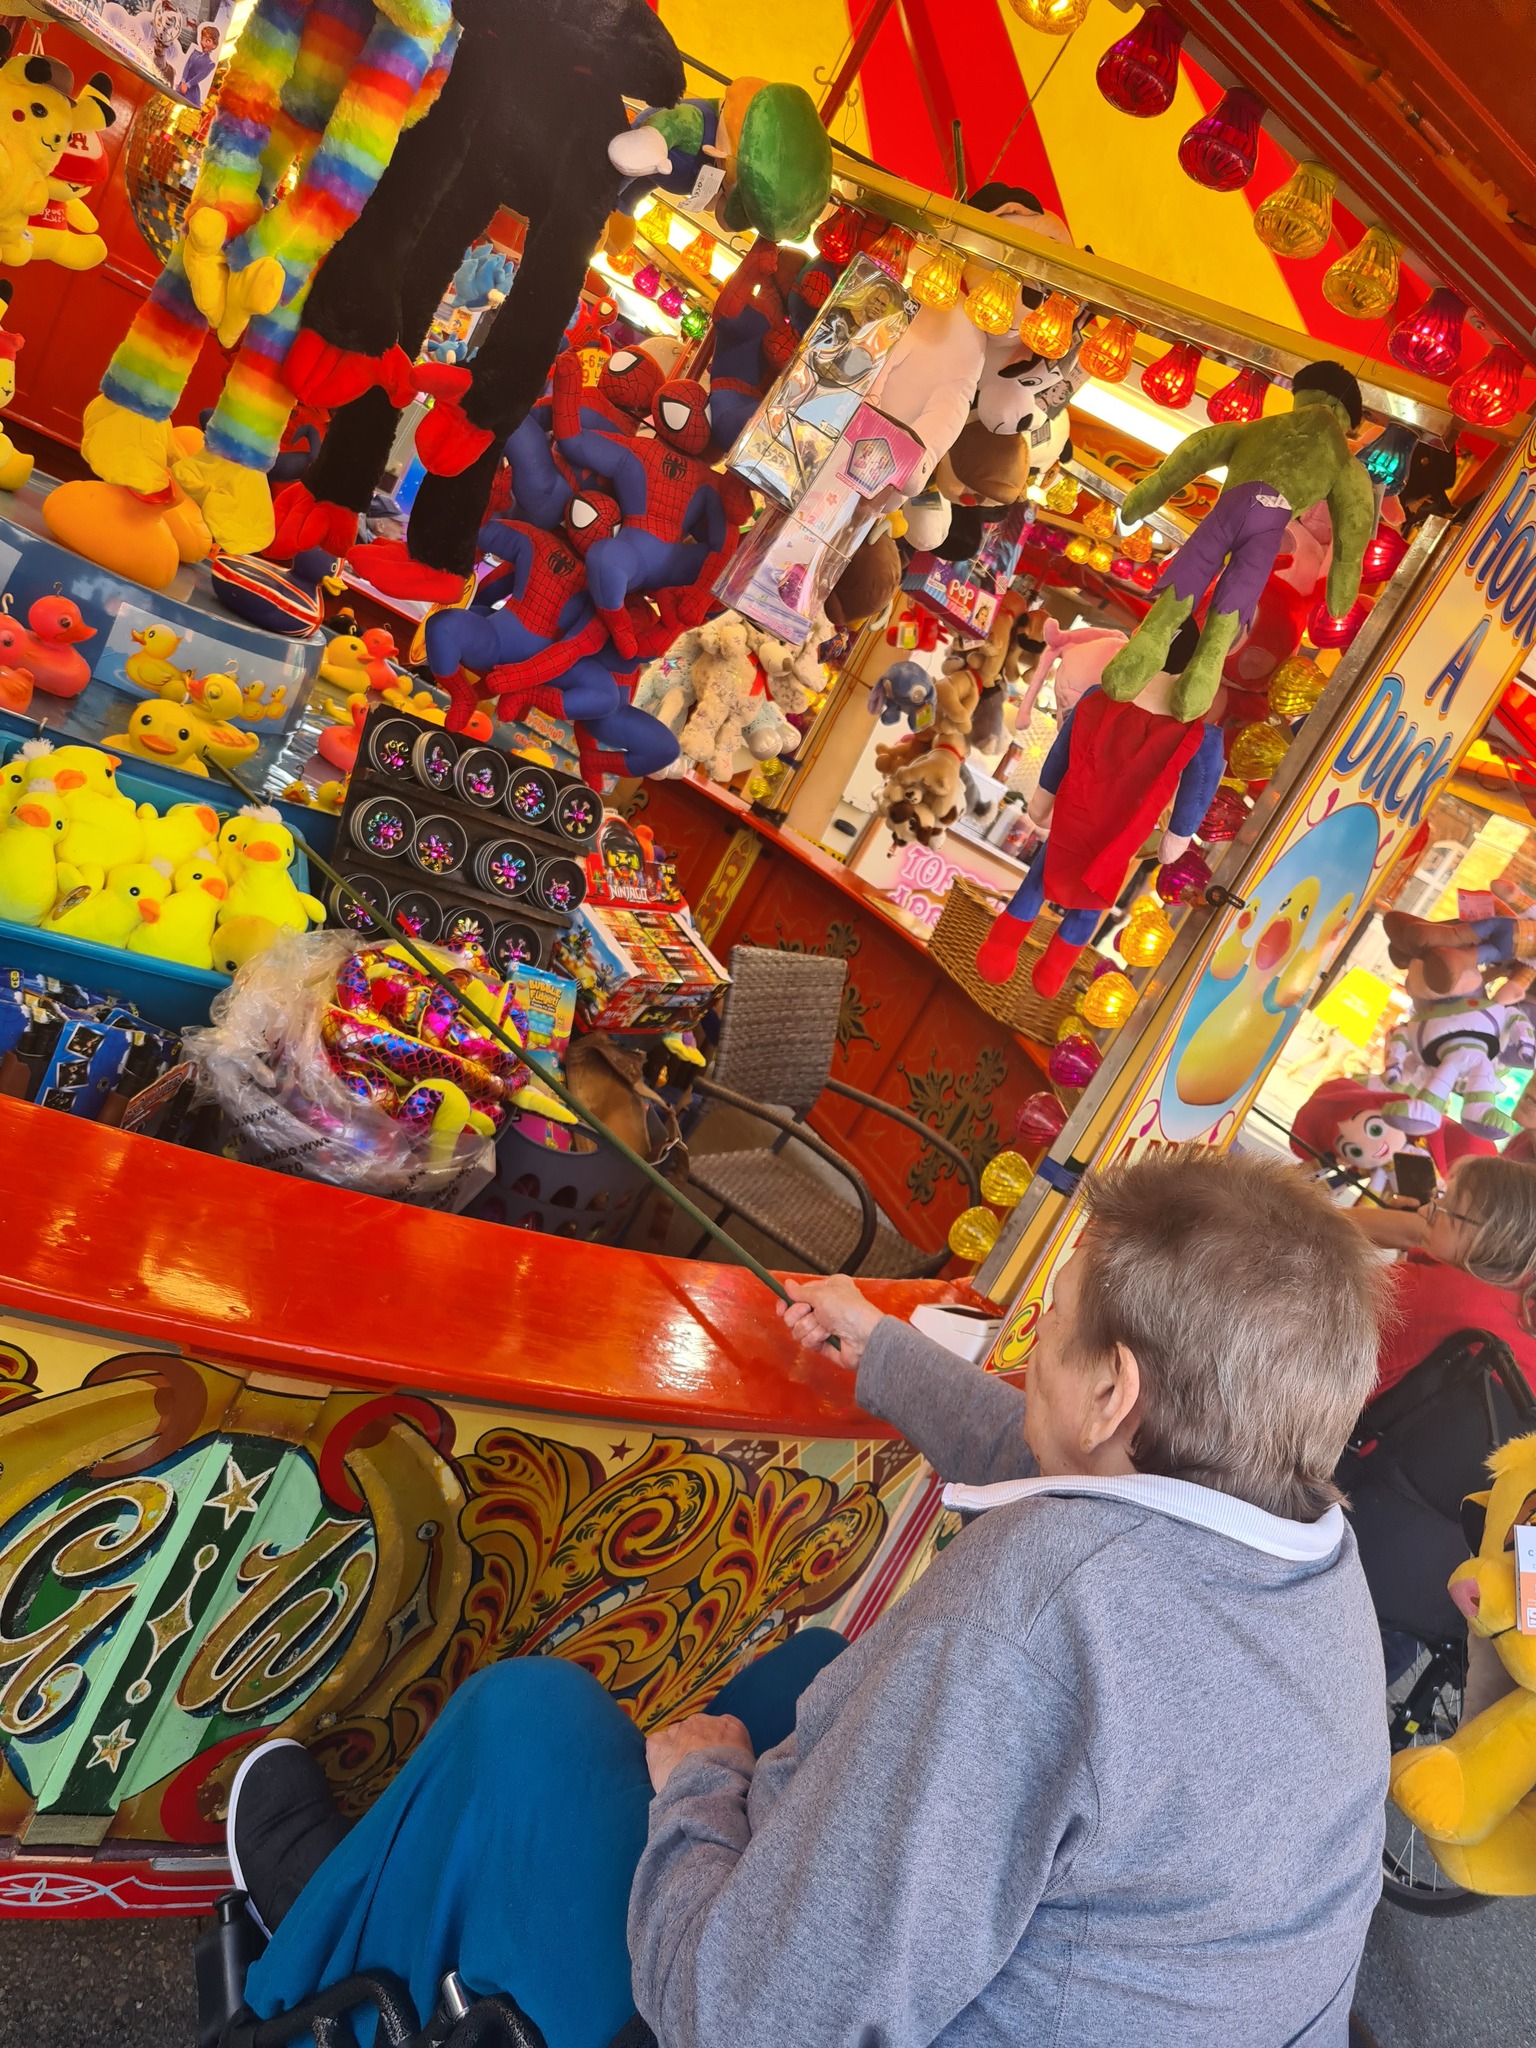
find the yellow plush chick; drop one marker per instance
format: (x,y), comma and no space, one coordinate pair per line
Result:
(111,914)
(175,835)
(263,887)
(164,733)
(20,770)
(153,669)
(104,829)
(241,939)
(182,930)
(29,874)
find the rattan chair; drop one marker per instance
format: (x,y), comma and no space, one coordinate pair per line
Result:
(776,1042)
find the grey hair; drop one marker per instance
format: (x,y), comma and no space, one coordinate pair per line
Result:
(1253,1307)
(1501,1193)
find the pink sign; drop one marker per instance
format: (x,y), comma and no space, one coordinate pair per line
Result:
(923,879)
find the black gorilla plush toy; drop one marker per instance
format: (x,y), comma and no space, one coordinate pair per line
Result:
(534,97)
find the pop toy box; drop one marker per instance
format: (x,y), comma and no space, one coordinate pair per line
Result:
(639,969)
(964,595)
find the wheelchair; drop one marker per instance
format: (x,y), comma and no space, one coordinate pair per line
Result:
(1417,1451)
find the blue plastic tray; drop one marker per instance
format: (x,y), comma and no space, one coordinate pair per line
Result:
(162,991)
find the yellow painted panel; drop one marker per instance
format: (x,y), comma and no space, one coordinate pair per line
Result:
(800,41)
(1120,182)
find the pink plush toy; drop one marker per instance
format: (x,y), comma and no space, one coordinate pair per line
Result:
(1077,657)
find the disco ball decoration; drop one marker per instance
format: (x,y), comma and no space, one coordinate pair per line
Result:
(162,155)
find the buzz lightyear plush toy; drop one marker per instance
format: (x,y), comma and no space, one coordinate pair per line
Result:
(1277,468)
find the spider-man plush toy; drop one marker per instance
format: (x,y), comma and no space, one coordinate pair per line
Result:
(753,337)
(541,481)
(681,517)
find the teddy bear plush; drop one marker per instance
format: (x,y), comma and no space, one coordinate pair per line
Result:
(725,699)
(793,675)
(1473,1797)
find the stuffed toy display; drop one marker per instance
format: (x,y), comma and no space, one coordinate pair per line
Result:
(534,97)
(901,692)
(1111,773)
(752,336)
(323,84)
(1074,662)
(718,696)
(41,125)
(1457,1040)
(65,231)
(1293,592)
(924,792)
(1277,468)
(1347,1122)
(1473,1796)
(1446,948)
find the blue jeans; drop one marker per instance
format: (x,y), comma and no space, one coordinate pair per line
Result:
(506,1847)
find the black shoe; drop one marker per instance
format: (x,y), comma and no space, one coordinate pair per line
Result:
(281,1827)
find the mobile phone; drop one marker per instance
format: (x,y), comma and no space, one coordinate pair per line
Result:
(1414,1173)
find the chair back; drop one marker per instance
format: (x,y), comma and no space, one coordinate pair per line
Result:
(780,1025)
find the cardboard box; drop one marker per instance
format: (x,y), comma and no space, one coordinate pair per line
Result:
(548,1002)
(639,969)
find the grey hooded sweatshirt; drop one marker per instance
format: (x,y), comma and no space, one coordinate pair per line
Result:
(1112,1775)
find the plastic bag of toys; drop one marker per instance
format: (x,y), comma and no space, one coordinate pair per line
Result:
(345,1062)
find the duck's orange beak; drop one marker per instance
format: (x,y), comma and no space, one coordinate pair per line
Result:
(262,849)
(33,814)
(149,910)
(217,887)
(70,778)
(139,633)
(155,744)
(208,818)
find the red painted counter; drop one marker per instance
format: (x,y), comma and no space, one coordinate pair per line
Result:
(908,1033)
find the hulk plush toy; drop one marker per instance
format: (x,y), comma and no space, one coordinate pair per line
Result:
(1276,469)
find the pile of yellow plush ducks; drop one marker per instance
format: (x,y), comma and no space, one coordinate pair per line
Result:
(79,857)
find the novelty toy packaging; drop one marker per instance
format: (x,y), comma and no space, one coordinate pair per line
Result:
(639,969)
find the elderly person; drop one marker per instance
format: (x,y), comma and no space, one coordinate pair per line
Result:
(1469,1264)
(1113,1771)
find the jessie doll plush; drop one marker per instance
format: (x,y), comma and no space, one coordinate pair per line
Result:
(1110,774)
(1347,1122)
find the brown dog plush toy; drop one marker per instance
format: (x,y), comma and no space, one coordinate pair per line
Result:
(923,793)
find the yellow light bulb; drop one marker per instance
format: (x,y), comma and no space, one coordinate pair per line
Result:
(699,255)
(1105,352)
(1100,557)
(1078,548)
(1004,1179)
(1048,328)
(1100,519)
(973,1233)
(1107,1000)
(1061,493)
(1364,283)
(993,301)
(1258,750)
(1138,545)
(1145,937)
(937,282)
(624,262)
(1051,17)
(619,234)
(1295,687)
(1297,220)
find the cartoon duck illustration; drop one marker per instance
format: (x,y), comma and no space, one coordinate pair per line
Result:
(153,668)
(175,835)
(182,927)
(29,875)
(261,885)
(166,733)
(1236,1037)
(131,894)
(47,652)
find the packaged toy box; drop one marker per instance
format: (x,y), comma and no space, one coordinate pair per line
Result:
(639,969)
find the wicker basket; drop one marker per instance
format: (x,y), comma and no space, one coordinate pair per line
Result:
(964,922)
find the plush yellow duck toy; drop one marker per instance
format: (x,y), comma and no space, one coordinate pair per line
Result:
(19,770)
(260,884)
(131,894)
(175,835)
(240,939)
(104,829)
(29,873)
(1473,1797)
(182,930)
(153,669)
(167,734)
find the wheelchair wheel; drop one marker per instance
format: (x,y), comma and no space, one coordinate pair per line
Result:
(1423,1706)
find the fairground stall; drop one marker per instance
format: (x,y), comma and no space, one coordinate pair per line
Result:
(523,718)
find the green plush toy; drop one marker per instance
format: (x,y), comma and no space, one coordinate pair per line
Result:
(1276,469)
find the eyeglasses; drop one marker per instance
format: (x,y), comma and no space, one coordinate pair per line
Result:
(1435,1206)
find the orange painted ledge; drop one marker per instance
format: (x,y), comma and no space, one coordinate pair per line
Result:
(233,1264)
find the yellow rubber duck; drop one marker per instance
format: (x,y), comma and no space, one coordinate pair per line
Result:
(344,665)
(29,857)
(263,887)
(216,699)
(131,895)
(175,835)
(261,700)
(240,939)
(153,669)
(183,929)
(167,734)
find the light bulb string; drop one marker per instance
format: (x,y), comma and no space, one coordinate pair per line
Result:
(1031,100)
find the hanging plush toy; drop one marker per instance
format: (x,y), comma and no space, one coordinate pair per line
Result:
(1112,771)
(1457,1040)
(1276,469)
(752,337)
(15,467)
(65,232)
(1348,1123)
(923,793)
(1473,1797)
(1287,601)
(535,95)
(1074,662)
(760,154)
(40,121)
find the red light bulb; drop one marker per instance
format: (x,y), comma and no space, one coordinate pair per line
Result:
(1429,341)
(1171,379)
(1146,575)
(1324,630)
(1385,549)
(1241,400)
(1221,150)
(1039,1119)
(1140,73)
(837,238)
(1489,393)
(1225,819)
(1185,879)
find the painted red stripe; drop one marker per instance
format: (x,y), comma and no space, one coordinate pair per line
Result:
(903,1550)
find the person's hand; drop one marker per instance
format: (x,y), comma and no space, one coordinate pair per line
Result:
(665,1750)
(819,1309)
